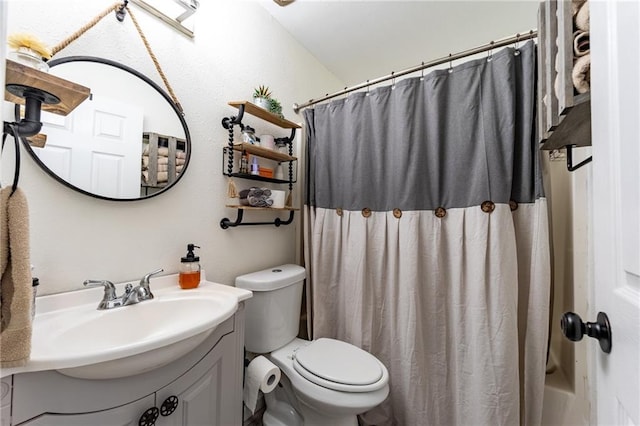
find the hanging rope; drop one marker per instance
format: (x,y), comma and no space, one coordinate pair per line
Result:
(73,37)
(118,7)
(154,59)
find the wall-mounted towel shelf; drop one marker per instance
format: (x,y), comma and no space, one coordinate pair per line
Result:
(564,118)
(231,169)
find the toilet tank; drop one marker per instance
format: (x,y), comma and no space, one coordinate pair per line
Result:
(272,315)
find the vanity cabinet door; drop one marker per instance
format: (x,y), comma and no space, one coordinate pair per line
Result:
(5,406)
(125,415)
(206,394)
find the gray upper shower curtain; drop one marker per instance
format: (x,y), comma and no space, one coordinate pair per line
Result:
(426,240)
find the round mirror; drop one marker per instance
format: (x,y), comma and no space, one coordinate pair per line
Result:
(128,141)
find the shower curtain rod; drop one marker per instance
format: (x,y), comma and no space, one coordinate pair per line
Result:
(451,57)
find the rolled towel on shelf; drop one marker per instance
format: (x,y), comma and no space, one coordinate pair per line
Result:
(581,74)
(162,176)
(163,151)
(581,43)
(256,197)
(576,5)
(582,17)
(163,160)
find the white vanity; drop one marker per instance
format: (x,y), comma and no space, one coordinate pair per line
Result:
(173,360)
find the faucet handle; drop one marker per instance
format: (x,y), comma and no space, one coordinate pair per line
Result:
(109,288)
(145,280)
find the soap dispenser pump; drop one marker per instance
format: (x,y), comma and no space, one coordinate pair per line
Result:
(189,269)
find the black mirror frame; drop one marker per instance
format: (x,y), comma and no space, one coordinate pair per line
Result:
(144,78)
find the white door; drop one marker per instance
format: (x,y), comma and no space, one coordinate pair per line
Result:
(97,147)
(615,106)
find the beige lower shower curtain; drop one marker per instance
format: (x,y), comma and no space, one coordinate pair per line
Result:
(427,240)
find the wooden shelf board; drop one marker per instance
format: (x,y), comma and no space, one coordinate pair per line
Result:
(253,109)
(261,208)
(71,94)
(263,152)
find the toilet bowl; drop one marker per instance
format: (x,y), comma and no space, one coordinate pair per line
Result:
(330,391)
(325,381)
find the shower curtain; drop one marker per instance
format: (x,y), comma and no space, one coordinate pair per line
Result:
(427,240)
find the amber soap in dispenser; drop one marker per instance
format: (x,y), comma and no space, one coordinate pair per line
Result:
(189,269)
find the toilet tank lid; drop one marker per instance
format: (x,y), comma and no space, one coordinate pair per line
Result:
(272,278)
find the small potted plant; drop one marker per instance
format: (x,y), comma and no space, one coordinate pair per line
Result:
(275,107)
(261,97)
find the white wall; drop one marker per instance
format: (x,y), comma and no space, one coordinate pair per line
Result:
(237,47)
(567,395)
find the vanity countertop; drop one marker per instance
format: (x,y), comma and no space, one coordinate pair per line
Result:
(70,335)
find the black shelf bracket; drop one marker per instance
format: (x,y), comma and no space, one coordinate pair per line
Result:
(226,222)
(570,166)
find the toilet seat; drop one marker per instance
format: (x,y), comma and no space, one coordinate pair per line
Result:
(340,366)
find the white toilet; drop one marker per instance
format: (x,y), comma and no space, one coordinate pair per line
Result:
(325,381)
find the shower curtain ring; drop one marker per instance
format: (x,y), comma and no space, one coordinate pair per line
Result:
(490,55)
(422,72)
(450,64)
(393,80)
(517,45)
(367,88)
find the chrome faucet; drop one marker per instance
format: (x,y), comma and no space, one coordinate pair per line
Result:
(141,292)
(131,296)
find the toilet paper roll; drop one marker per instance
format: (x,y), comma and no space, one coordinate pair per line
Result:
(260,375)
(278,198)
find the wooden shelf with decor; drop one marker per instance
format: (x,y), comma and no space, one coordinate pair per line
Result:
(229,166)
(70,94)
(263,152)
(256,111)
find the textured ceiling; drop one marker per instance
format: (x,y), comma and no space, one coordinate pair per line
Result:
(360,40)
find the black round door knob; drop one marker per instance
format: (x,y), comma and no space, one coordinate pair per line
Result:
(574,329)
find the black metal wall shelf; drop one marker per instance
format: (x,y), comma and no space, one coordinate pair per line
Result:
(229,123)
(256,177)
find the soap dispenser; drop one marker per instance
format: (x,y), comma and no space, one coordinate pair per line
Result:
(189,269)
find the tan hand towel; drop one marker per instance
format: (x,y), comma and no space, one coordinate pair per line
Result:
(15,279)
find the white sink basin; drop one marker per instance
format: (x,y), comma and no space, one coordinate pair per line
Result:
(71,336)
